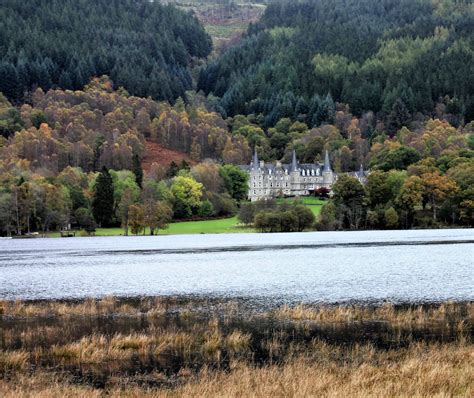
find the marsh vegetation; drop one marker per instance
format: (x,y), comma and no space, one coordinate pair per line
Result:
(197,347)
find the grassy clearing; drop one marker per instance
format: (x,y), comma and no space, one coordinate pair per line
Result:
(225,31)
(219,226)
(170,347)
(313,203)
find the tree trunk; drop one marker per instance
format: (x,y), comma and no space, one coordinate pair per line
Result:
(433,205)
(125,228)
(18,227)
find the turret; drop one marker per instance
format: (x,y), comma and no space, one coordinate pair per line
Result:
(294,162)
(295,180)
(328,175)
(255,163)
(327,164)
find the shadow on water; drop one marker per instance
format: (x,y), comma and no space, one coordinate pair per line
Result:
(224,249)
(254,248)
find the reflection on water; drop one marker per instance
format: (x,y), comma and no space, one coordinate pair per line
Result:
(399,266)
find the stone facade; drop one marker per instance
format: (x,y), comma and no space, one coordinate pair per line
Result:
(269,180)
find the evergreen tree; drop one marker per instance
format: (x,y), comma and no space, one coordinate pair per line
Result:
(137,170)
(103,202)
(9,83)
(398,117)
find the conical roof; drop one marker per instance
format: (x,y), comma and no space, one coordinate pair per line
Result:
(255,162)
(327,164)
(294,162)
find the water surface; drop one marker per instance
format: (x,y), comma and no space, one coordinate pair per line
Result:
(375,266)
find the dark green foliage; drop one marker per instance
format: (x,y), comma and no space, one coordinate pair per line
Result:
(184,165)
(142,45)
(222,204)
(366,53)
(350,200)
(268,217)
(398,117)
(235,181)
(37,118)
(398,159)
(78,198)
(172,170)
(85,220)
(378,189)
(206,209)
(137,170)
(246,213)
(304,216)
(470,141)
(10,119)
(103,202)
(327,219)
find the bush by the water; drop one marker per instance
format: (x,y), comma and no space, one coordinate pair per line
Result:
(268,216)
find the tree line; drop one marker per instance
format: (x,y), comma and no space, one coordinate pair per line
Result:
(421,196)
(31,202)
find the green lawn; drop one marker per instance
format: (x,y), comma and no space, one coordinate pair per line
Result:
(313,203)
(220,226)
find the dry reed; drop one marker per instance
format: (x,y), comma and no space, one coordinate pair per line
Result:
(167,348)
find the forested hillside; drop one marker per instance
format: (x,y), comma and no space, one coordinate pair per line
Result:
(144,46)
(101,127)
(75,157)
(380,56)
(383,84)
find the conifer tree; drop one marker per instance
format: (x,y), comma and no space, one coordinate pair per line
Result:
(137,170)
(103,202)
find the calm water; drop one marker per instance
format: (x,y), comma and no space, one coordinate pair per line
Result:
(399,266)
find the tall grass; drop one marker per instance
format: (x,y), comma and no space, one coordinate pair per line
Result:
(170,347)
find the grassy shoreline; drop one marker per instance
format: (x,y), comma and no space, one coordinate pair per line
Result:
(173,347)
(215,226)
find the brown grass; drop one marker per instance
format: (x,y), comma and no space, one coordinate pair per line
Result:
(417,315)
(422,371)
(90,307)
(164,348)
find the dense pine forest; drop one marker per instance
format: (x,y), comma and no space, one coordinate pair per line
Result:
(384,56)
(145,47)
(92,88)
